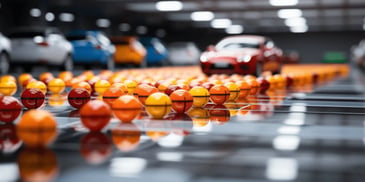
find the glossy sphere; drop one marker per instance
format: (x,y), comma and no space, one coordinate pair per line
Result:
(142,91)
(10,109)
(126,136)
(121,86)
(37,164)
(234,90)
(95,115)
(8,88)
(264,84)
(244,88)
(56,86)
(83,85)
(126,108)
(78,97)
(95,147)
(181,100)
(24,79)
(66,76)
(32,98)
(6,78)
(56,100)
(38,85)
(37,128)
(158,105)
(111,94)
(45,77)
(255,86)
(200,96)
(101,86)
(219,94)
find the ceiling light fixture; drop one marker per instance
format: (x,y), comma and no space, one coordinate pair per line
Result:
(169,5)
(234,29)
(49,16)
(283,2)
(102,22)
(299,29)
(221,23)
(35,12)
(202,16)
(67,17)
(292,22)
(289,13)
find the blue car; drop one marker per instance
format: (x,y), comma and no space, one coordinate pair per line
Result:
(156,52)
(92,47)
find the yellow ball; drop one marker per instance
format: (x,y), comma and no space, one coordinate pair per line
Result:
(5,78)
(56,86)
(234,90)
(158,105)
(131,85)
(8,88)
(101,86)
(200,96)
(38,85)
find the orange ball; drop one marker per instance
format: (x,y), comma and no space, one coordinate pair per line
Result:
(111,94)
(121,86)
(255,86)
(45,77)
(244,88)
(82,84)
(6,78)
(95,115)
(24,79)
(158,105)
(37,128)
(219,94)
(219,114)
(126,136)
(8,88)
(199,115)
(142,91)
(181,100)
(126,108)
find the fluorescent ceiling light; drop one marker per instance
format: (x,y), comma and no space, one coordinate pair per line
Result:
(124,27)
(202,16)
(102,22)
(234,29)
(289,13)
(35,12)
(299,29)
(221,23)
(292,22)
(169,6)
(67,17)
(141,29)
(49,16)
(283,2)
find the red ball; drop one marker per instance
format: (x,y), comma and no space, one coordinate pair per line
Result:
(77,97)
(32,98)
(9,140)
(10,108)
(219,114)
(182,100)
(264,85)
(95,115)
(219,94)
(172,88)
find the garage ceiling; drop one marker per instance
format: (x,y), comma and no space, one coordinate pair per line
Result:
(252,15)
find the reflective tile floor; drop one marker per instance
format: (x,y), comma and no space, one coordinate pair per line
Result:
(315,135)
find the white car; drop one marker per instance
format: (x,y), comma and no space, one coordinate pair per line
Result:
(183,53)
(5,49)
(48,46)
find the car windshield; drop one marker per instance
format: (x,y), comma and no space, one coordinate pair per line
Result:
(26,34)
(237,43)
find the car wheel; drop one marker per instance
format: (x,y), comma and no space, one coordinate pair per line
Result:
(110,64)
(258,69)
(68,64)
(4,63)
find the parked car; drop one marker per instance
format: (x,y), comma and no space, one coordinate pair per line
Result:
(128,50)
(92,47)
(242,54)
(5,49)
(40,45)
(156,51)
(183,53)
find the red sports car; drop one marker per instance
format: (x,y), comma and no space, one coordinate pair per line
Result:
(243,54)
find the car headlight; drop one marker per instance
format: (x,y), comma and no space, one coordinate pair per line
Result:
(203,58)
(244,59)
